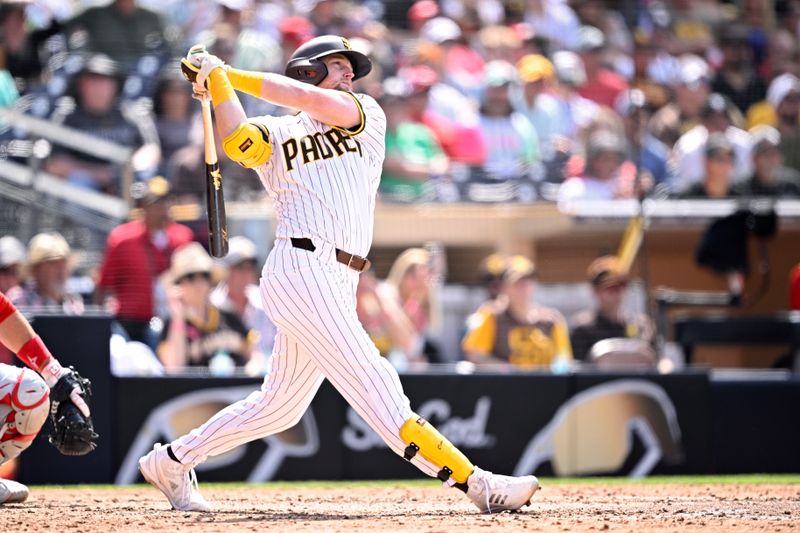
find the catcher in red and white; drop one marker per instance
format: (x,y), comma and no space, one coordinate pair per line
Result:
(27,398)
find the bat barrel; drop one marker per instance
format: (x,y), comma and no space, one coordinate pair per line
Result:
(215,205)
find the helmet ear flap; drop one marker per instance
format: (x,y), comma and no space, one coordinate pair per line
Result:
(311,71)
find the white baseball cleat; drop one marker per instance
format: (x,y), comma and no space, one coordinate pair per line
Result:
(12,491)
(176,481)
(493,493)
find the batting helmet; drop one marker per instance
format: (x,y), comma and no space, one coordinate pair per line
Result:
(305,64)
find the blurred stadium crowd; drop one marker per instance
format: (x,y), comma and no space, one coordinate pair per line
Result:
(486,101)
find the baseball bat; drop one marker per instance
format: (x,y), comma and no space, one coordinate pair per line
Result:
(215,200)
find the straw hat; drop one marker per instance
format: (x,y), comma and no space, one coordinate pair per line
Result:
(191,258)
(46,247)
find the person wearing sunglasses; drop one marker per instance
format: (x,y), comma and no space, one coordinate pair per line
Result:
(196,331)
(608,319)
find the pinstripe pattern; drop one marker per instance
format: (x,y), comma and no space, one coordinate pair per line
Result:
(331,198)
(309,296)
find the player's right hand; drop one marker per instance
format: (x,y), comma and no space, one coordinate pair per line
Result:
(198,65)
(195,55)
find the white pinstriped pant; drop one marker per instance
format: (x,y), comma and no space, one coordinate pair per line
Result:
(310,297)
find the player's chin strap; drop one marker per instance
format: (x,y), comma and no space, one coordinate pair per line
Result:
(423,438)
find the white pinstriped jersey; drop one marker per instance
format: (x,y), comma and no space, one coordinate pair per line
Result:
(323,180)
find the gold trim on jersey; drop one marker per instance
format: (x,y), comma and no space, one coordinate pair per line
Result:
(362,119)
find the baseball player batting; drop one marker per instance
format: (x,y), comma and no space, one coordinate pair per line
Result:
(25,399)
(321,167)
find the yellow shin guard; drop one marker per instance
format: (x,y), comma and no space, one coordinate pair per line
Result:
(426,440)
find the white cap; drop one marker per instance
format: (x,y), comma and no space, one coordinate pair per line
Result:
(440,29)
(12,251)
(781,87)
(240,249)
(694,70)
(569,68)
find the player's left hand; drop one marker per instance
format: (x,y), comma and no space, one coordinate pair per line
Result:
(73,430)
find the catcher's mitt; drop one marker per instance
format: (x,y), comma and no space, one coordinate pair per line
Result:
(73,432)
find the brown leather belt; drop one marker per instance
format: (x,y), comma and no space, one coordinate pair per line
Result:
(357,263)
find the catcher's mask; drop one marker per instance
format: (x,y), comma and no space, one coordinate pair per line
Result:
(305,64)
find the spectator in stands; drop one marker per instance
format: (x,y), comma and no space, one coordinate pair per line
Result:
(387,324)
(250,49)
(513,147)
(98,113)
(413,155)
(136,254)
(12,257)
(611,23)
(608,318)
(717,182)
(410,283)
(121,30)
(663,131)
(689,151)
(737,78)
(537,75)
(449,113)
(691,85)
(781,55)
(238,293)
(490,273)
(328,16)
(196,332)
(602,86)
(421,12)
(460,67)
(633,107)
(47,270)
(499,43)
(692,23)
(514,331)
(770,176)
(782,59)
(399,312)
(21,49)
(605,152)
(784,97)
(172,107)
(576,112)
(554,20)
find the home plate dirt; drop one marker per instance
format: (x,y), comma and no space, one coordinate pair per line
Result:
(590,507)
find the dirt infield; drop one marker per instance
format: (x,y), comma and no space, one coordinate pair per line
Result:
(590,507)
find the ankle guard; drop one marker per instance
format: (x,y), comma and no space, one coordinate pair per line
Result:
(426,440)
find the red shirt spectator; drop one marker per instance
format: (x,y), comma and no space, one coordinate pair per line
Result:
(604,88)
(136,254)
